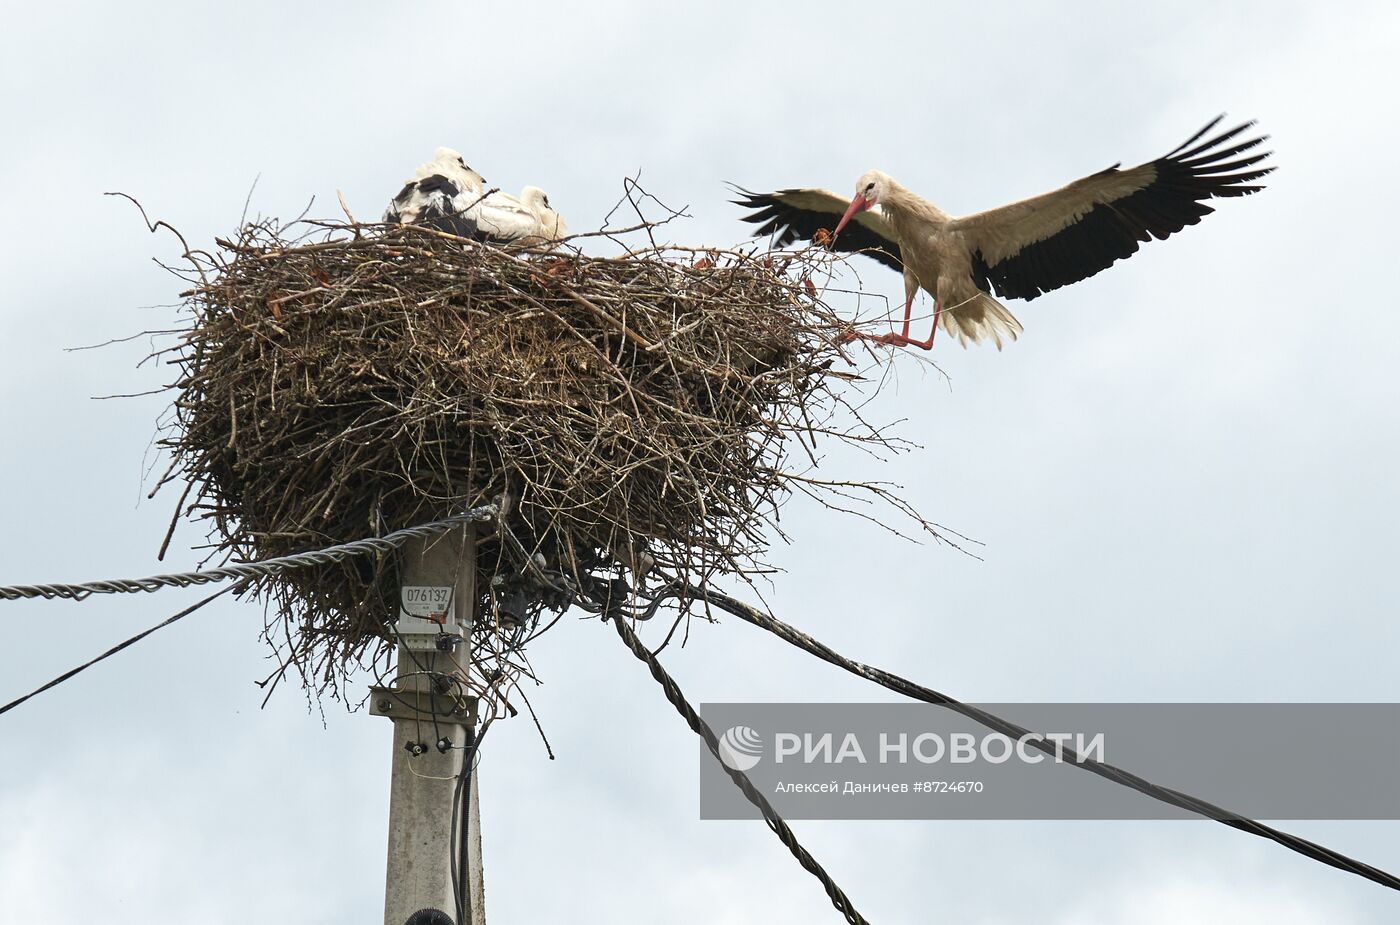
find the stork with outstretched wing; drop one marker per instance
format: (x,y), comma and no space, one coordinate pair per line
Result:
(1022,250)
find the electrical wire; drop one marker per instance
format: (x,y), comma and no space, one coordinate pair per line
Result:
(796,637)
(838,897)
(267,568)
(119,647)
(461,819)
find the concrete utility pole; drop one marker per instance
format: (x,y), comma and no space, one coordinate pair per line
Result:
(431,726)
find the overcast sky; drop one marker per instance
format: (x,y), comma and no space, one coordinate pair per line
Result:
(1183,473)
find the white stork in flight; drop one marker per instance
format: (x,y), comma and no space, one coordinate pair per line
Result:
(1021,250)
(447,194)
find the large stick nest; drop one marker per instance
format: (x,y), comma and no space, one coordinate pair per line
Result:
(650,410)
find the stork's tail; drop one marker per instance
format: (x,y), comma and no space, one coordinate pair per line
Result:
(980,318)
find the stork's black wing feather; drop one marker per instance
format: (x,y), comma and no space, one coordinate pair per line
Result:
(800,214)
(1031,247)
(432,201)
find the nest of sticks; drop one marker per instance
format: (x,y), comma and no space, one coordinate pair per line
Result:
(636,417)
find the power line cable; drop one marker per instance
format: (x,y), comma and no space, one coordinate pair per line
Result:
(796,637)
(118,647)
(247,573)
(461,820)
(266,568)
(741,780)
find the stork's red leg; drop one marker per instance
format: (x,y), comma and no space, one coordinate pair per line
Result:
(908,308)
(926,344)
(899,340)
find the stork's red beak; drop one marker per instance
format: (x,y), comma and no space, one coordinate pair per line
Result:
(858,204)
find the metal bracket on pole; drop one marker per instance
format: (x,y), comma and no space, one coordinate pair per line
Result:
(425,706)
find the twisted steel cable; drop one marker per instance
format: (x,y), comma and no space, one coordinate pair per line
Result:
(249,570)
(117,648)
(741,780)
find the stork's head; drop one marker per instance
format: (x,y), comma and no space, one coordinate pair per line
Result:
(870,191)
(451,160)
(537,201)
(449,156)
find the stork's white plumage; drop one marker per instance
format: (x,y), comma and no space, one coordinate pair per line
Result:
(445,193)
(527,219)
(1022,250)
(441,194)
